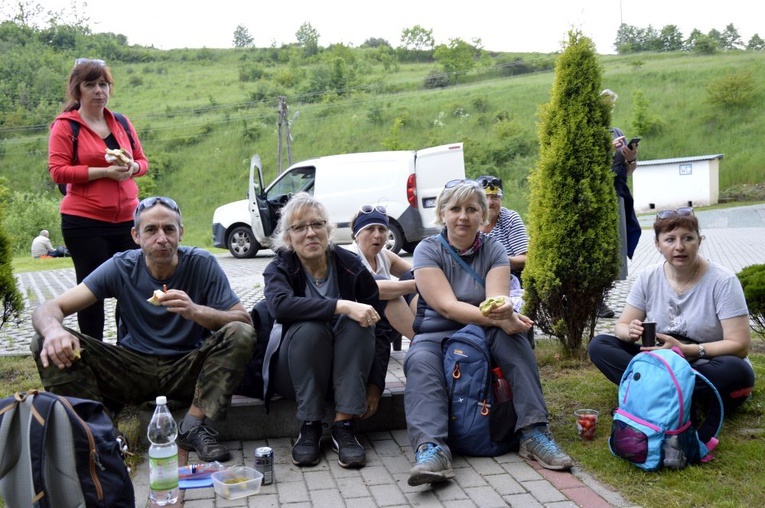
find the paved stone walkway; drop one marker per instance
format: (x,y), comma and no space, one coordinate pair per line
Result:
(732,237)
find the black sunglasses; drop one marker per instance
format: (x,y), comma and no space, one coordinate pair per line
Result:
(666,214)
(454,183)
(490,182)
(96,61)
(149,202)
(370,209)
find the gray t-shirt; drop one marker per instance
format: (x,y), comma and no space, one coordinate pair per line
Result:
(150,328)
(696,314)
(431,253)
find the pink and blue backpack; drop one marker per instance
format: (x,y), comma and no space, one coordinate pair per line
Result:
(652,426)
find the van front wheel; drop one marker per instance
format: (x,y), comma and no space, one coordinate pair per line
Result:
(395,238)
(242,243)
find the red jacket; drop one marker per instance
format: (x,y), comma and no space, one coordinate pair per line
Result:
(103,199)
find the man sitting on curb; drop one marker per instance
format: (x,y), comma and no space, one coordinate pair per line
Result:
(191,343)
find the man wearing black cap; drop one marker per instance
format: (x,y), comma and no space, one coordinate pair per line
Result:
(505,225)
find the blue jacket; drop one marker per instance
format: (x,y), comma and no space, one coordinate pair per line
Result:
(285,283)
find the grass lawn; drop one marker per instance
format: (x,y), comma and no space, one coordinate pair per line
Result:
(731,479)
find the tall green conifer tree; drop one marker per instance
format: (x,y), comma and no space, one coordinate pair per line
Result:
(573,226)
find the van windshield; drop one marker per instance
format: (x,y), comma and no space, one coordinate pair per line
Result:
(292,182)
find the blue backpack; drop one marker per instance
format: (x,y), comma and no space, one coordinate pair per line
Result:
(477,426)
(652,426)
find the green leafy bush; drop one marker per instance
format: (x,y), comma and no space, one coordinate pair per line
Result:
(574,249)
(11,300)
(753,281)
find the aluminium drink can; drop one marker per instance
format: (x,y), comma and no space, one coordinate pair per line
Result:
(264,462)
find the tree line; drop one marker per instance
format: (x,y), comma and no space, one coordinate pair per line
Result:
(632,39)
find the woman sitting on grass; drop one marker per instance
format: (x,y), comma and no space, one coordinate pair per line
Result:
(698,306)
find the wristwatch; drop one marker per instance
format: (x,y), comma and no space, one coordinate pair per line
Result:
(702,351)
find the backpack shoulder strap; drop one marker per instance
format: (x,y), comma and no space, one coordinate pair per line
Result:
(122,120)
(74,137)
(461,261)
(701,376)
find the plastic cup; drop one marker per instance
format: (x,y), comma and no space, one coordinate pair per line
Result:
(649,333)
(586,423)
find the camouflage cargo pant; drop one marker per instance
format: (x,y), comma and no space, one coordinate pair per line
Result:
(117,376)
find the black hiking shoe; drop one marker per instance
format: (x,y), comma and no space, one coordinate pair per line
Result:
(349,450)
(306,451)
(201,439)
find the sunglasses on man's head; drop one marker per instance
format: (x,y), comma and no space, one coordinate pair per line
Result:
(666,214)
(454,183)
(149,202)
(370,209)
(96,61)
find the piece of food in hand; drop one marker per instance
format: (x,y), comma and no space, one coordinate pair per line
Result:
(77,354)
(154,300)
(117,157)
(490,304)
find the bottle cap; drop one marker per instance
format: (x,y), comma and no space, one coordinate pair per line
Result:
(161,400)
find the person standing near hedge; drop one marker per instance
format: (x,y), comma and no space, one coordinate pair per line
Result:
(97,210)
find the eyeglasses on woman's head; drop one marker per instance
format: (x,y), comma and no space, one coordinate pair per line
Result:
(453,183)
(96,61)
(666,214)
(372,208)
(317,226)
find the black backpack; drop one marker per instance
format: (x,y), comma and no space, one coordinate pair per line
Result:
(62,452)
(75,135)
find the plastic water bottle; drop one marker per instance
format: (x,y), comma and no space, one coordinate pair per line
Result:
(674,457)
(502,392)
(163,455)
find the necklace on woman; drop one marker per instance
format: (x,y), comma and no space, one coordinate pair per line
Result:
(681,290)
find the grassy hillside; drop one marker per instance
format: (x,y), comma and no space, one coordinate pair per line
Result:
(200,124)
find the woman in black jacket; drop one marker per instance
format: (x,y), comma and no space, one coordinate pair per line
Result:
(325,304)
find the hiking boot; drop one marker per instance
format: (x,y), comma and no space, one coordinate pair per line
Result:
(432,465)
(306,451)
(201,439)
(604,311)
(541,447)
(349,450)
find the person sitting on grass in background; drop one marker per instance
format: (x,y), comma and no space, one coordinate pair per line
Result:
(698,306)
(190,343)
(449,299)
(322,347)
(370,232)
(42,246)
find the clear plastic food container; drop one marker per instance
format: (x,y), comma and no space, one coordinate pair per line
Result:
(237,481)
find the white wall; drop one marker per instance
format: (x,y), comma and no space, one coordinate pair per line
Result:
(671,183)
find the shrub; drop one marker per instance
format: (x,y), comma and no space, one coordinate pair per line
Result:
(437,80)
(11,300)
(26,214)
(733,90)
(573,255)
(753,281)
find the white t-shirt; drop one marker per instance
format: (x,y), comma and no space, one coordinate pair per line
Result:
(695,314)
(383,263)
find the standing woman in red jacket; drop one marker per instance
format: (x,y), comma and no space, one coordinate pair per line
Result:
(97,210)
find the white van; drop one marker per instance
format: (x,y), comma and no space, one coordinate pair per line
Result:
(406,182)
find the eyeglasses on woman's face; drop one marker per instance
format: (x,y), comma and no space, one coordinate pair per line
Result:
(301,229)
(666,214)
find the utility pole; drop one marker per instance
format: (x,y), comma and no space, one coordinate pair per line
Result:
(284,120)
